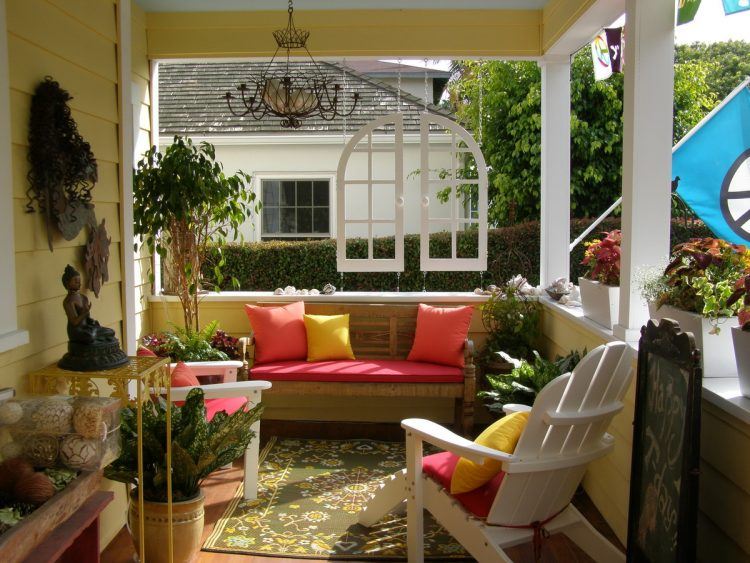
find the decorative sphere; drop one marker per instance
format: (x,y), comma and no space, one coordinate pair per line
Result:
(10,412)
(11,470)
(88,421)
(35,488)
(78,452)
(53,416)
(41,449)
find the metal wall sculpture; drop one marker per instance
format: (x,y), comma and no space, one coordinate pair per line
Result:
(97,256)
(63,169)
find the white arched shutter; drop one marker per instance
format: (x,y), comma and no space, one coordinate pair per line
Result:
(456,214)
(370,195)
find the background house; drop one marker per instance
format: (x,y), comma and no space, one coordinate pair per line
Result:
(294,170)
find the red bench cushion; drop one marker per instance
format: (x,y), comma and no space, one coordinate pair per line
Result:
(440,467)
(364,371)
(230,405)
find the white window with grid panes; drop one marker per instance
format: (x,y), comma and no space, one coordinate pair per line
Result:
(295,208)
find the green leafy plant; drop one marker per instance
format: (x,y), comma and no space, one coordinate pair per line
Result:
(701,278)
(199,447)
(526,380)
(182,203)
(742,291)
(602,258)
(512,322)
(186,344)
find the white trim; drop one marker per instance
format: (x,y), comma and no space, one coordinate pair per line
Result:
(300,139)
(717,109)
(126,129)
(339,297)
(10,336)
(153,83)
(327,175)
(601,13)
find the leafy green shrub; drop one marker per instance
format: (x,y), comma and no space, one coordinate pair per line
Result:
(511,250)
(199,447)
(525,381)
(512,323)
(187,345)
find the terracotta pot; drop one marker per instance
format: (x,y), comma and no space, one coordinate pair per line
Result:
(741,340)
(187,525)
(717,357)
(600,302)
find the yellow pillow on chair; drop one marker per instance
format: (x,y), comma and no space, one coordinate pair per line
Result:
(328,338)
(502,435)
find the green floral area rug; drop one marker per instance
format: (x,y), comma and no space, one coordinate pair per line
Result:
(310,494)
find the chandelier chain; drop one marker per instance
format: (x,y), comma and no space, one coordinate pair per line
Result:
(426,94)
(398,93)
(481,104)
(343,92)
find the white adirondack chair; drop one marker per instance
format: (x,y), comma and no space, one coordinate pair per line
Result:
(565,431)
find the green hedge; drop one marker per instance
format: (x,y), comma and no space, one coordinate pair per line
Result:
(307,264)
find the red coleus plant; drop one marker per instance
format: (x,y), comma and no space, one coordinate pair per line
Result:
(742,291)
(602,258)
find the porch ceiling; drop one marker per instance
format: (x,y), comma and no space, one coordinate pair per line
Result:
(377,28)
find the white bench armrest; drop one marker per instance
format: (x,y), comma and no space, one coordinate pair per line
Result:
(510,408)
(223,390)
(441,437)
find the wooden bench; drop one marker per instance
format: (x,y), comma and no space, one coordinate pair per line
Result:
(380,332)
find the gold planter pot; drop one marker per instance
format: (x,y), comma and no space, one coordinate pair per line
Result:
(187,523)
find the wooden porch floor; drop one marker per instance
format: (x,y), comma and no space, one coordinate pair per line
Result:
(219,489)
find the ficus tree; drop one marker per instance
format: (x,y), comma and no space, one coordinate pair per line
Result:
(182,204)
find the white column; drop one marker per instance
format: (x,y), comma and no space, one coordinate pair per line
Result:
(125,99)
(555,171)
(647,151)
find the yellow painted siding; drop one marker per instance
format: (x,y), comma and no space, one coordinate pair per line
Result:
(436,33)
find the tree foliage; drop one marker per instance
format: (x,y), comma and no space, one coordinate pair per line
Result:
(729,63)
(511,129)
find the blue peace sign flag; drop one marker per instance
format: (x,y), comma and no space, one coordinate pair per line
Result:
(713,164)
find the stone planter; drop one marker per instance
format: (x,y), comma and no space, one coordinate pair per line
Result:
(741,340)
(187,528)
(717,353)
(600,302)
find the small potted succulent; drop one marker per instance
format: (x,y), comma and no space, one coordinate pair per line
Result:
(695,289)
(600,285)
(741,333)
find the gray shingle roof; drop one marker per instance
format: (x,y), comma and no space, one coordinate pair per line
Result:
(191,101)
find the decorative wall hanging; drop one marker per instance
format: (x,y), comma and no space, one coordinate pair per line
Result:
(291,94)
(62,167)
(97,256)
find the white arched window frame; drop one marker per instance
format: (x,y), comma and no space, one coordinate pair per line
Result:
(458,219)
(362,142)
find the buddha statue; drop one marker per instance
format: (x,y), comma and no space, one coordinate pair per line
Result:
(91,346)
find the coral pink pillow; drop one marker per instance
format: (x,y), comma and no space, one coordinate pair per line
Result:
(279,332)
(144,352)
(183,376)
(440,335)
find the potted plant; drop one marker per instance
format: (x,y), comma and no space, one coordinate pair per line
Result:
(600,284)
(182,204)
(522,384)
(199,447)
(694,290)
(741,333)
(511,318)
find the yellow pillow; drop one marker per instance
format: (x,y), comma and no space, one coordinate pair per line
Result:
(328,338)
(502,435)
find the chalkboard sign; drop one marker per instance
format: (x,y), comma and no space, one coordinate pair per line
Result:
(663,514)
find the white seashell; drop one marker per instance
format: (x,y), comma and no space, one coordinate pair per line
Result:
(492,288)
(10,412)
(290,290)
(314,292)
(304,292)
(479,291)
(278,291)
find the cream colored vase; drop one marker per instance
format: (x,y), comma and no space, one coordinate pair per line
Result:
(187,525)
(601,303)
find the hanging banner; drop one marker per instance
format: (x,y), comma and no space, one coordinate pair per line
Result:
(713,166)
(600,57)
(734,6)
(614,42)
(686,10)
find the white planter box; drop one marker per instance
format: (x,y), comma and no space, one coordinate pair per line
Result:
(600,302)
(224,371)
(717,351)
(741,340)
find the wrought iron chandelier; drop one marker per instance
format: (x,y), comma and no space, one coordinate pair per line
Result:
(286,91)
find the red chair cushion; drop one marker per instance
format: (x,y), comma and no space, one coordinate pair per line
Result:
(440,335)
(230,405)
(365,371)
(440,467)
(279,332)
(183,376)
